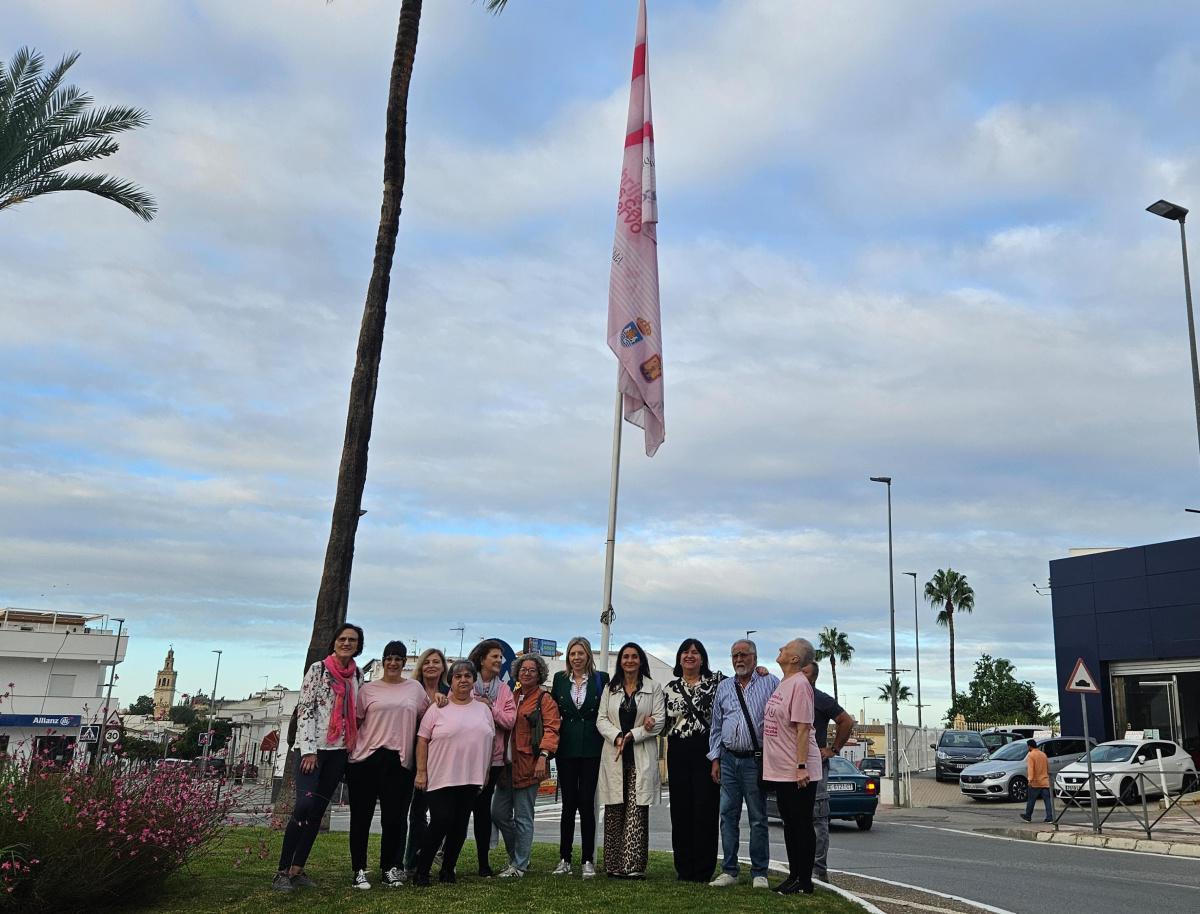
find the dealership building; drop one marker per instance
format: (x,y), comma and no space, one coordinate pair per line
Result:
(1133,616)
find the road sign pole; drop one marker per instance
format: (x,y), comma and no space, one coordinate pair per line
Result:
(1087,743)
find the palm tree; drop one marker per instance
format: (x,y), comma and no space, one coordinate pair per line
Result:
(334,592)
(835,647)
(949,592)
(903,692)
(46,126)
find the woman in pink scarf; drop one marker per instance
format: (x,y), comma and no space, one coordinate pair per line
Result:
(326,733)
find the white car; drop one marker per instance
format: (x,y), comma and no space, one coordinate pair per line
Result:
(1117,766)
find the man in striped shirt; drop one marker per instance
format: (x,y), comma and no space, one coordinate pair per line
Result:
(735,748)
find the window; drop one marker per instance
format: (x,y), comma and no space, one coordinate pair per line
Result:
(1070,746)
(1167,749)
(62,685)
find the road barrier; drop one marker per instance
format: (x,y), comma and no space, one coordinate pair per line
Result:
(1132,787)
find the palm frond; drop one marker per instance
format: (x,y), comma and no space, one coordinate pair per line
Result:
(495,6)
(126,193)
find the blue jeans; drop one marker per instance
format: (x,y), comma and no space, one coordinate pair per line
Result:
(1031,798)
(739,781)
(512,811)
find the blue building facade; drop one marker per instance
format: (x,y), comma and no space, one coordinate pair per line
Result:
(1133,615)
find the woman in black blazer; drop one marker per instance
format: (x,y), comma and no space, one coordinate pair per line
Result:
(577,692)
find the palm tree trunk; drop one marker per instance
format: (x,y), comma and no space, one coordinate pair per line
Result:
(953,683)
(833,670)
(334,593)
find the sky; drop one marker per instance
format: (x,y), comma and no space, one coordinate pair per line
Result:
(894,239)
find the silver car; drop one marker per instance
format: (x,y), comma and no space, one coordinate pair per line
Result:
(1003,776)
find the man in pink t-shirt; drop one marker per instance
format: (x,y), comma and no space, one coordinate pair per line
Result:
(792,763)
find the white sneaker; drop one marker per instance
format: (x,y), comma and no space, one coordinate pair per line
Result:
(724,881)
(589,871)
(760,882)
(563,868)
(510,872)
(394,878)
(360,880)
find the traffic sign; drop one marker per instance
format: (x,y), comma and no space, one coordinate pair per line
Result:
(89,733)
(204,738)
(1082,680)
(112,735)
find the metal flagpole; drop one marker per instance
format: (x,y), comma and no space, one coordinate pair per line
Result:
(610,544)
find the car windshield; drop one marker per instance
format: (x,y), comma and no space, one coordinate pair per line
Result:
(961,739)
(838,765)
(872,763)
(1013,752)
(1116,752)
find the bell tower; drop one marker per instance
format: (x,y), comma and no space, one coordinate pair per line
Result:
(164,687)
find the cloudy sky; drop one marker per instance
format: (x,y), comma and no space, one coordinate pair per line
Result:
(903,239)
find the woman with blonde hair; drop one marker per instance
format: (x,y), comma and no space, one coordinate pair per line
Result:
(577,691)
(431,671)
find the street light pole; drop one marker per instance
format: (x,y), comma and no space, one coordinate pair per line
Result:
(887,480)
(112,675)
(1177,213)
(212,716)
(917,640)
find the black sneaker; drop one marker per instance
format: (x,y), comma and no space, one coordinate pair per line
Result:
(420,880)
(486,872)
(1025,818)
(282,882)
(789,886)
(447,876)
(302,881)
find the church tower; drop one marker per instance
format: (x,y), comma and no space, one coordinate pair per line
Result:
(164,687)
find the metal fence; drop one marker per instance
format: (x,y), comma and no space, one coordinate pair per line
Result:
(1134,786)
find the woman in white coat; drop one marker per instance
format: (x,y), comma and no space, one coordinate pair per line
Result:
(632,714)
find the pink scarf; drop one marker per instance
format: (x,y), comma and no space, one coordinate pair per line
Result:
(343,718)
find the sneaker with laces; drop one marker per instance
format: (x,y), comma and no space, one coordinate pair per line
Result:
(760,882)
(302,881)
(563,868)
(724,881)
(394,878)
(589,871)
(282,882)
(511,872)
(360,880)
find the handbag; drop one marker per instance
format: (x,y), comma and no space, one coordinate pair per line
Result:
(758,756)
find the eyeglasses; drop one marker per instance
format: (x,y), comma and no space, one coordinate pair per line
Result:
(742,654)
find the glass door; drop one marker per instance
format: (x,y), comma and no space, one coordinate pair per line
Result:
(1148,701)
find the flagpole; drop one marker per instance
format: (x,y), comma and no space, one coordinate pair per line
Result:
(610,544)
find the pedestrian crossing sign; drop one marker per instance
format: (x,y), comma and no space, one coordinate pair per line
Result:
(89,733)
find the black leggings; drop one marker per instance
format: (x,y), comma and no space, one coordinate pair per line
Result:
(379,776)
(695,807)
(449,809)
(312,798)
(577,781)
(796,810)
(482,811)
(418,824)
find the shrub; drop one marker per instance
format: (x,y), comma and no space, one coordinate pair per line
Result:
(74,839)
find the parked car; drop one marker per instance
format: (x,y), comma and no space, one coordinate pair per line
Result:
(853,794)
(996,737)
(874,764)
(956,749)
(1116,765)
(1002,776)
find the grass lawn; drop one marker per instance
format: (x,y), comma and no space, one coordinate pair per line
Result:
(236,878)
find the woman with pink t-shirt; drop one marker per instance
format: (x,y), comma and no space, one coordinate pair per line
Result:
(454,755)
(381,766)
(792,763)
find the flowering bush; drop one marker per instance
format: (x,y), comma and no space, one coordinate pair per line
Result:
(74,839)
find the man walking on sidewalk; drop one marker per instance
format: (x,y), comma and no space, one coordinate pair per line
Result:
(1038,771)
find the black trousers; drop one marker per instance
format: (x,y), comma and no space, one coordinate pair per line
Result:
(449,810)
(379,777)
(418,824)
(695,808)
(796,810)
(482,811)
(313,791)
(577,779)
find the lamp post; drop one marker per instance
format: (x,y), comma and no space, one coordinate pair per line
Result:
(917,640)
(751,631)
(887,481)
(212,716)
(112,675)
(1177,213)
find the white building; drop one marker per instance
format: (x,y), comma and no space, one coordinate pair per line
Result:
(55,667)
(258,723)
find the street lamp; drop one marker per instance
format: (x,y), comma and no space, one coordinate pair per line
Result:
(212,716)
(887,481)
(1177,213)
(917,639)
(112,675)
(751,631)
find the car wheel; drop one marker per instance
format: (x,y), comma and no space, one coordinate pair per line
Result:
(865,822)
(1129,792)
(1018,789)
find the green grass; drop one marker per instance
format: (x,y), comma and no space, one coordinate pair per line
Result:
(236,876)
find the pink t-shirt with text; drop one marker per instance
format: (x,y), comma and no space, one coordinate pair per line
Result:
(460,744)
(790,705)
(388,713)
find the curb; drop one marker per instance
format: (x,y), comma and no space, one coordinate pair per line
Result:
(1110,842)
(776,866)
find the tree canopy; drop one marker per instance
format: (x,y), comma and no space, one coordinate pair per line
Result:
(143,705)
(996,696)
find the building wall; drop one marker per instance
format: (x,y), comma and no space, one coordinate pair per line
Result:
(1141,603)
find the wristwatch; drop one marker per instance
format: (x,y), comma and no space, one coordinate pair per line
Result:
(801,765)
(544,754)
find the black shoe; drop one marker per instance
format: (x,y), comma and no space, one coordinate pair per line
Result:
(1026,818)
(420,880)
(486,872)
(789,886)
(1047,820)
(448,876)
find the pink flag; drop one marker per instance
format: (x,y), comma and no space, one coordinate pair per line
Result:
(634,323)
